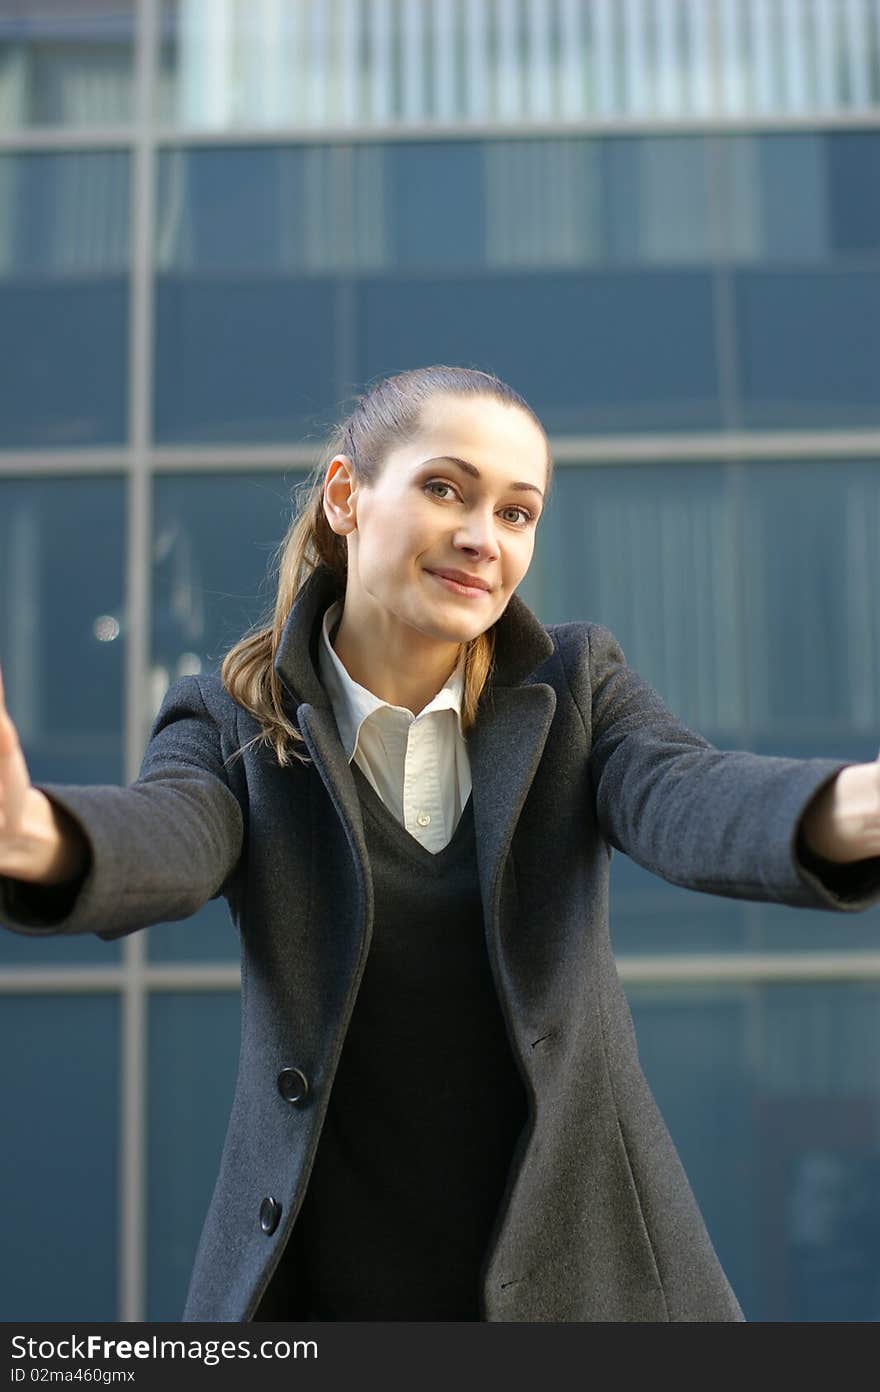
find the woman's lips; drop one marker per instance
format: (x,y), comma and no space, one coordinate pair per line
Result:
(472,591)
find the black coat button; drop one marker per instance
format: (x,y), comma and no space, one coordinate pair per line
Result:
(293,1084)
(270,1212)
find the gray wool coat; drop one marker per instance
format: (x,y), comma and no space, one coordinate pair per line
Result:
(572,754)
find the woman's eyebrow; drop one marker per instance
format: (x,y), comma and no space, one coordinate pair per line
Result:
(474,471)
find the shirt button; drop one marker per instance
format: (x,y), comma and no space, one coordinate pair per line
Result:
(423,819)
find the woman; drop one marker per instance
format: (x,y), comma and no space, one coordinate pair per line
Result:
(407,789)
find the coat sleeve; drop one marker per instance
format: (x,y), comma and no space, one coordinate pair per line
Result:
(157,849)
(723,822)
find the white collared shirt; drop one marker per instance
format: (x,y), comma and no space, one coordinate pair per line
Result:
(418,764)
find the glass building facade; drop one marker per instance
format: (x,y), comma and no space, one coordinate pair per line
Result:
(660,221)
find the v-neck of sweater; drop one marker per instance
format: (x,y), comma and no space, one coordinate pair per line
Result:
(435,861)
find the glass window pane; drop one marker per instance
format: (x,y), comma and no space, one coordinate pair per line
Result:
(820,173)
(63,299)
(69,64)
(647,182)
(243,361)
(808,347)
(234,68)
(771,1096)
(63,627)
(650,551)
(762,178)
(806,310)
(440,203)
(340,263)
(811,569)
(543,203)
(591,350)
(430,204)
(59,1167)
(854,199)
(793,173)
(344,63)
(213,543)
(265,227)
(192,1062)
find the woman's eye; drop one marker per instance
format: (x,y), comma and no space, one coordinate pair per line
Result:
(523,516)
(437,483)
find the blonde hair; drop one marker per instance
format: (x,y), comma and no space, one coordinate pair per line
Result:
(388,415)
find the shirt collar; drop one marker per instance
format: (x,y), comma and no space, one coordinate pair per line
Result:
(353,704)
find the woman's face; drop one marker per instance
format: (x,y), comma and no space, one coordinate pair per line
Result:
(426,513)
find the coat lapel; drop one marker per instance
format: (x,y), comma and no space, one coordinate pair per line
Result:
(504,748)
(504,744)
(318,727)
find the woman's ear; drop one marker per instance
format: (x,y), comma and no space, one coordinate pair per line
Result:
(340,495)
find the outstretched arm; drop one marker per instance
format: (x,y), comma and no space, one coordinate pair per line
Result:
(150,853)
(804,832)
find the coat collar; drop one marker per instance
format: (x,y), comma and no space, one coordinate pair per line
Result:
(504,744)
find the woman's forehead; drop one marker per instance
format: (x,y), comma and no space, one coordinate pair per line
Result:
(487,429)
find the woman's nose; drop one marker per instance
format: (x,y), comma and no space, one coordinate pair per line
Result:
(478,538)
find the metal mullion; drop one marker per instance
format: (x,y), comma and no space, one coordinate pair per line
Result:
(514,128)
(723,295)
(733,445)
(756,966)
(133,1079)
(573,449)
(792,967)
(645,123)
(641,125)
(162,976)
(568,449)
(68,138)
(22,463)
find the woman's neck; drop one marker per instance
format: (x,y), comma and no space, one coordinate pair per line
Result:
(395,672)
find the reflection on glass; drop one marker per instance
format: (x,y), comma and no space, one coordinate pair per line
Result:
(67,64)
(558,262)
(808,346)
(214,537)
(64,679)
(771,1095)
(336,63)
(745,593)
(63,631)
(64,214)
(64,256)
(60,1162)
(193,1040)
(651,552)
(536,204)
(822,174)
(812,576)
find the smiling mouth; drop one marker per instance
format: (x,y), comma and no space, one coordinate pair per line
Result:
(472,591)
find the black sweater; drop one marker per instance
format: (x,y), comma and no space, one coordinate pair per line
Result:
(426,1105)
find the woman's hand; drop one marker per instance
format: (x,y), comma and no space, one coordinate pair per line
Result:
(38,841)
(15,783)
(842,823)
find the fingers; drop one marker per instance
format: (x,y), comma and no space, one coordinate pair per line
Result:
(14,777)
(8,733)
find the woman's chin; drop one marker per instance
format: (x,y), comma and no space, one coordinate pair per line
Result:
(449,630)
